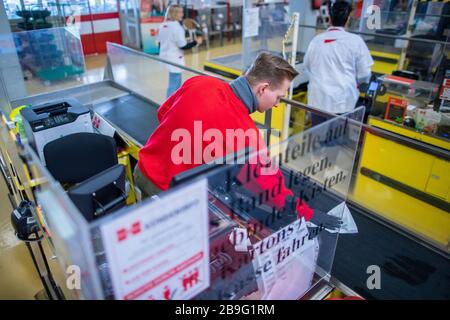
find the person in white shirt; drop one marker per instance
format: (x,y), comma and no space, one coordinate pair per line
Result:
(336,62)
(172,42)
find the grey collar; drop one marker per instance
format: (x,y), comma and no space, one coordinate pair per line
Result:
(241,88)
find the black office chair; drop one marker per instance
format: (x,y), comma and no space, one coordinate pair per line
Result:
(79,156)
(89,161)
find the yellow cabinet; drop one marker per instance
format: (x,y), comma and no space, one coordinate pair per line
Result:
(439,180)
(396,161)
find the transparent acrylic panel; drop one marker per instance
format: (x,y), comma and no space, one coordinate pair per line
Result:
(415,94)
(19,173)
(39,67)
(302,119)
(50,60)
(422,54)
(42,14)
(11,78)
(282,257)
(265,31)
(7,148)
(381,23)
(66,8)
(103,6)
(129,67)
(144,249)
(278,261)
(393,17)
(67,232)
(260,246)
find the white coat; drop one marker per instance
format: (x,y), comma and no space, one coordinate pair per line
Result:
(335,62)
(171,37)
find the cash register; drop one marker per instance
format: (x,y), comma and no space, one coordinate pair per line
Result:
(50,121)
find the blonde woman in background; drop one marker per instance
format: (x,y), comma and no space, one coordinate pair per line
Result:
(172,42)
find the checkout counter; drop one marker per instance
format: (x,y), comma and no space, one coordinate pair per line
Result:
(403,168)
(410,162)
(129,117)
(322,175)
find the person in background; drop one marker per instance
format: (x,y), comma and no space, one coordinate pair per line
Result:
(336,61)
(172,42)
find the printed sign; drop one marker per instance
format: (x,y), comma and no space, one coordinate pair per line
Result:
(151,16)
(102,126)
(161,249)
(251,22)
(149,34)
(445,91)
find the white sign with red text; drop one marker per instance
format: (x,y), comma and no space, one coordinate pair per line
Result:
(160,250)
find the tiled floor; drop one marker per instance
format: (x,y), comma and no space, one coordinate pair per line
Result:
(18,277)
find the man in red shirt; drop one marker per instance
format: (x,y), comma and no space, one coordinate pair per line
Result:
(205,119)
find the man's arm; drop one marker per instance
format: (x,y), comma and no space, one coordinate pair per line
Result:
(189,45)
(270,185)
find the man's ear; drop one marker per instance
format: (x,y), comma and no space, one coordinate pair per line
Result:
(261,87)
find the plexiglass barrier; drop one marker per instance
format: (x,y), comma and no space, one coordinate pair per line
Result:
(231,233)
(262,244)
(41,61)
(264,27)
(400,175)
(18,178)
(392,17)
(66,231)
(397,40)
(129,67)
(50,54)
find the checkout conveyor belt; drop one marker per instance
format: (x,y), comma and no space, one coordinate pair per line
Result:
(409,270)
(133,115)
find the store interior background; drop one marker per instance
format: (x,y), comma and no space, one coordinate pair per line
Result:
(18,278)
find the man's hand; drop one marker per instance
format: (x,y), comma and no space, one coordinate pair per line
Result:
(199,40)
(323,219)
(294,207)
(319,218)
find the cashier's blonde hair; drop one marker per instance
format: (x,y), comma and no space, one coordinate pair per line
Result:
(172,11)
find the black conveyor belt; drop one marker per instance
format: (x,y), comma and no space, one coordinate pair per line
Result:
(408,269)
(135,116)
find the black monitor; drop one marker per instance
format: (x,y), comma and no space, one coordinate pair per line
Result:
(101,193)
